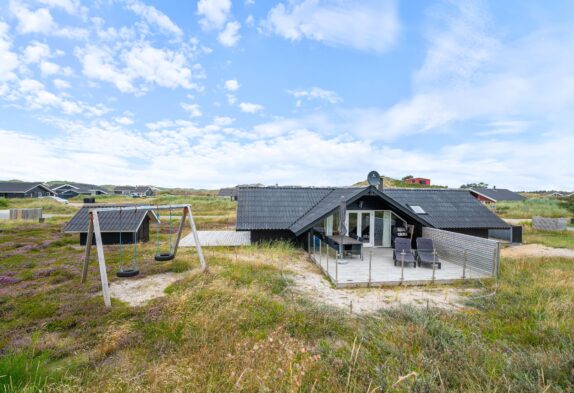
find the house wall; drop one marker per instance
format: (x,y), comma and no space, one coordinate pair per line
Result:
(127,237)
(258,236)
(33,193)
(482,199)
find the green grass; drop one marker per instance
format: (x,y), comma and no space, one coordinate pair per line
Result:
(48,205)
(558,239)
(3,202)
(543,207)
(241,327)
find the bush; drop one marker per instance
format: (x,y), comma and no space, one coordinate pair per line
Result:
(3,202)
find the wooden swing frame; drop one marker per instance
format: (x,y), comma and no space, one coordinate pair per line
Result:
(95,231)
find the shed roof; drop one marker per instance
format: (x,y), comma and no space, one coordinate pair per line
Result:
(498,194)
(448,208)
(110,221)
(18,187)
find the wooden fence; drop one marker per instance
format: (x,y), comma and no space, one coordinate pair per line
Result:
(26,214)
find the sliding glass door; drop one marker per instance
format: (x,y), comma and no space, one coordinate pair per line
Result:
(372,227)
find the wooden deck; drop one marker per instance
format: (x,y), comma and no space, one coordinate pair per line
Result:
(354,272)
(218,238)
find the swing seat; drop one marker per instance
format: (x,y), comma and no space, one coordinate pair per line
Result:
(127,273)
(164,256)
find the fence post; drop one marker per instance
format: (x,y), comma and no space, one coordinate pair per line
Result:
(433,264)
(370,261)
(336,272)
(464,265)
(314,248)
(402,266)
(327,248)
(321,252)
(309,242)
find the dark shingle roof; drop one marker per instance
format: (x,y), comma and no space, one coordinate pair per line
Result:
(275,207)
(296,209)
(109,220)
(19,187)
(448,209)
(80,187)
(499,194)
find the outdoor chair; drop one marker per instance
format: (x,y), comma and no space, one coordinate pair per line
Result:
(403,244)
(425,253)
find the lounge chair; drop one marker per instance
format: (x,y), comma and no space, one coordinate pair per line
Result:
(425,252)
(403,244)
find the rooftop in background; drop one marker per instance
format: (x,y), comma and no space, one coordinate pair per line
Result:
(495,195)
(110,221)
(20,187)
(81,188)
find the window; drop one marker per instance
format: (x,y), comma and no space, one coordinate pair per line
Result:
(418,209)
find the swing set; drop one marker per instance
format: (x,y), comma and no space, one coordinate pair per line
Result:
(94,231)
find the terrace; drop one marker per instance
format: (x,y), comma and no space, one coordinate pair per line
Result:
(462,258)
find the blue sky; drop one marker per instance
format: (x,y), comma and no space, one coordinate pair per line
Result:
(307,92)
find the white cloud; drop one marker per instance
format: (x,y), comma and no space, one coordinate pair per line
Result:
(41,21)
(35,52)
(214,13)
(249,107)
(316,93)
(232,85)
(366,25)
(141,63)
(61,84)
(223,121)
(153,16)
(230,35)
(37,97)
(231,99)
(124,120)
(9,60)
(70,6)
(192,109)
(48,68)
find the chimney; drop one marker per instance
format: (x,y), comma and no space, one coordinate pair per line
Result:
(381,184)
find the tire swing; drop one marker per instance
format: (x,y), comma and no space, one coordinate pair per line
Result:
(125,273)
(164,256)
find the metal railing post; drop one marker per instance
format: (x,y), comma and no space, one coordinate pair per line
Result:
(433,265)
(309,242)
(465,257)
(314,247)
(402,266)
(336,272)
(327,248)
(370,261)
(321,252)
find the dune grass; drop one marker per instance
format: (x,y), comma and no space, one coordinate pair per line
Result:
(48,205)
(557,239)
(242,327)
(542,207)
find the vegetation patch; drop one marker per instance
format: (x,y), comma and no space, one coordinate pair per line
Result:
(531,207)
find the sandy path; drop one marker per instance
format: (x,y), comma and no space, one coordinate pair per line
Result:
(536,250)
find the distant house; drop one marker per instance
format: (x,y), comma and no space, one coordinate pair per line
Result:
(374,216)
(493,195)
(228,193)
(17,189)
(70,190)
(138,191)
(418,180)
(131,224)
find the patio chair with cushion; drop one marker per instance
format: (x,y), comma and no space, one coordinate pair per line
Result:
(425,253)
(400,246)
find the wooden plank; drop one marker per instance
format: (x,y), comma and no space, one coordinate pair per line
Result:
(102,261)
(181,223)
(88,248)
(196,238)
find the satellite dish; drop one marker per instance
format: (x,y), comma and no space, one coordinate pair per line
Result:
(374,179)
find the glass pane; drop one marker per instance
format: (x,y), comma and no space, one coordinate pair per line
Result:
(366,227)
(352,228)
(387,229)
(379,228)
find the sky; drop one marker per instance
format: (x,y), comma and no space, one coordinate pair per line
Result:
(213,93)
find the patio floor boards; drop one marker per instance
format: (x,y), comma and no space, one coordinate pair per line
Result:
(354,272)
